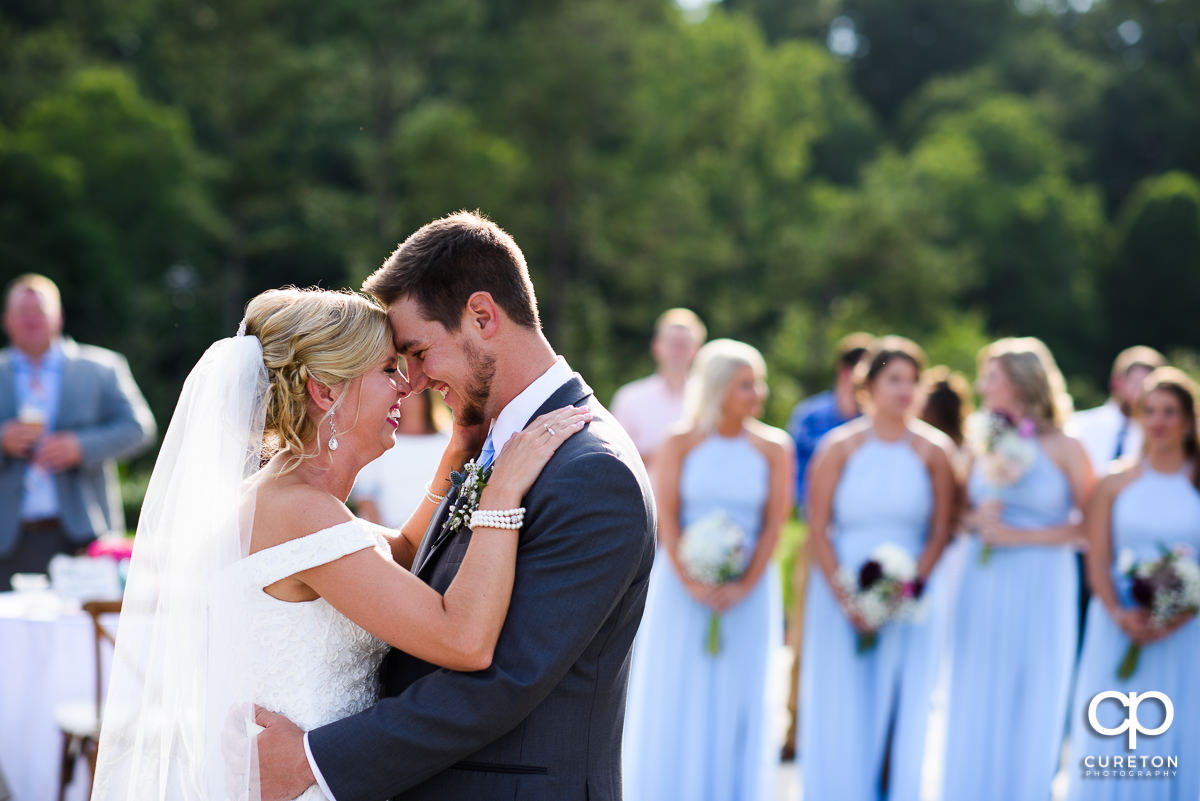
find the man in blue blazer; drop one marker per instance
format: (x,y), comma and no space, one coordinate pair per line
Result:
(67,412)
(544,721)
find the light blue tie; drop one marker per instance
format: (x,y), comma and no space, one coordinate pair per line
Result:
(488,454)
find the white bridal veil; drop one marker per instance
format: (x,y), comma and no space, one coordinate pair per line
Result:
(176,698)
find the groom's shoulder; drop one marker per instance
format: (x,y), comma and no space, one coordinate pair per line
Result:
(601,450)
(605,435)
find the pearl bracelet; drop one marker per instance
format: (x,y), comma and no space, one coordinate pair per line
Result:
(432,496)
(506,519)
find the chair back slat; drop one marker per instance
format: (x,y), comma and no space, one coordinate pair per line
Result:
(96,610)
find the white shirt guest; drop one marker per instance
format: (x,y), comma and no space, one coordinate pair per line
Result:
(649,407)
(1110,432)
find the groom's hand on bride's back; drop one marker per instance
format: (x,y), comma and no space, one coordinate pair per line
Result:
(284,772)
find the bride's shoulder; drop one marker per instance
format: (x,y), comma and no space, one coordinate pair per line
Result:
(284,512)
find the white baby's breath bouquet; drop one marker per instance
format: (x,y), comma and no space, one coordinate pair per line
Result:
(713,551)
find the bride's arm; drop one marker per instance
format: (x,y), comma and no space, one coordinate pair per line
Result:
(404,546)
(457,630)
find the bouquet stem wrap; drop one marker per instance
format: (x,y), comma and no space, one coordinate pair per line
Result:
(1129,662)
(712,640)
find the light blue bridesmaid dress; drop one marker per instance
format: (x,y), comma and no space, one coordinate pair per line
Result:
(1154,509)
(1012,649)
(849,701)
(699,727)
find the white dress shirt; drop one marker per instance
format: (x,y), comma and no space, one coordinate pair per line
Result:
(38,390)
(1098,429)
(512,418)
(516,414)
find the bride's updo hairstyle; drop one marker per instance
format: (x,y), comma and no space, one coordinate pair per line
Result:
(330,336)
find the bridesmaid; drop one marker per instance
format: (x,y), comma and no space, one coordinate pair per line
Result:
(1138,510)
(700,727)
(945,402)
(884,478)
(1013,640)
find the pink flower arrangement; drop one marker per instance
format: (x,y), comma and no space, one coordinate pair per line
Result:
(115,548)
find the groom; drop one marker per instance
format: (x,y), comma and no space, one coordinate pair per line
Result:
(544,721)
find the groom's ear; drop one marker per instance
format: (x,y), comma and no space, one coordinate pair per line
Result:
(321,395)
(482,314)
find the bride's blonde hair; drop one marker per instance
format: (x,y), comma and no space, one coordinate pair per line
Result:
(330,336)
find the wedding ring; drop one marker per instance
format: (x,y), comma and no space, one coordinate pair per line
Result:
(548,428)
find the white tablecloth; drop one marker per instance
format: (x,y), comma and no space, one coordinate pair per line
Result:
(46,658)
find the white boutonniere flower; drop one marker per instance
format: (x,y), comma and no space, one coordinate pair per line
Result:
(470,483)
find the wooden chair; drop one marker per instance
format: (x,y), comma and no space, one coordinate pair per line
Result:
(79,721)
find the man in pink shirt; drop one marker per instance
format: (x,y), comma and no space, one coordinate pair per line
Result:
(650,406)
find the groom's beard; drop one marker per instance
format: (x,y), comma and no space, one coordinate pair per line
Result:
(479,387)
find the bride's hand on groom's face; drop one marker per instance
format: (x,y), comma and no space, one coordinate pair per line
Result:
(524,456)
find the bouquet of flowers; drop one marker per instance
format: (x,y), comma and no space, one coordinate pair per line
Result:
(885,588)
(1004,450)
(713,551)
(1166,587)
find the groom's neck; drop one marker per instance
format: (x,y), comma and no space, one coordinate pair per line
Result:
(519,363)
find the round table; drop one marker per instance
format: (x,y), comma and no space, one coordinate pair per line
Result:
(46,658)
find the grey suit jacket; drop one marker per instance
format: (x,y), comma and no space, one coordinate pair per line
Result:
(100,403)
(544,722)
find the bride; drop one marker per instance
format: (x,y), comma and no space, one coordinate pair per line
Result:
(253,583)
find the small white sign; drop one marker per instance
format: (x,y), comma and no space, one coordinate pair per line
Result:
(82,578)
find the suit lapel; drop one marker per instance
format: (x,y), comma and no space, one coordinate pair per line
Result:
(438,534)
(8,386)
(67,379)
(435,532)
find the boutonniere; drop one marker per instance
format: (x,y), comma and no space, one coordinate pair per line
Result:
(470,483)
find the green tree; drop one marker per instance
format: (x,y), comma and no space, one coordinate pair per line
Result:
(1152,281)
(1036,233)
(105,195)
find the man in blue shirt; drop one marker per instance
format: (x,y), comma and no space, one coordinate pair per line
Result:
(812,419)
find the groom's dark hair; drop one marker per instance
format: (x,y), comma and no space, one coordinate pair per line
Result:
(444,262)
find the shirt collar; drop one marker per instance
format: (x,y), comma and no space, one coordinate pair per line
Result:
(516,414)
(51,360)
(1114,409)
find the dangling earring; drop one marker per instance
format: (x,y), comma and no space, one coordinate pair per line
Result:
(333,443)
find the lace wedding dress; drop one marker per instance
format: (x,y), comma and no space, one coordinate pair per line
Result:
(199,641)
(307,661)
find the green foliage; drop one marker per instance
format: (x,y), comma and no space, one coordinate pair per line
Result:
(975,169)
(107,196)
(1152,282)
(1004,178)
